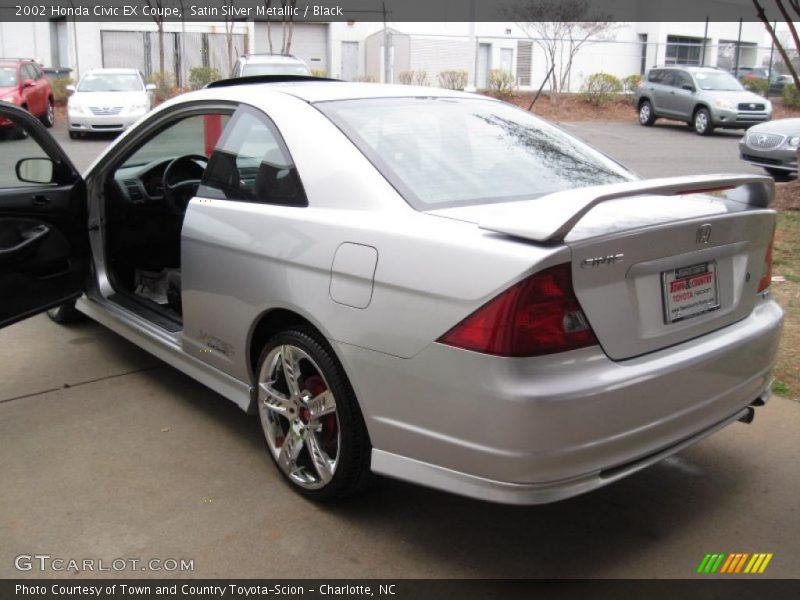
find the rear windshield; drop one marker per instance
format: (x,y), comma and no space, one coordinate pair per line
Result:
(442,152)
(8,76)
(123,82)
(274,69)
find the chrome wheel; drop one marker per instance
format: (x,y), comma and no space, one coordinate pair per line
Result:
(299,416)
(701,122)
(644,113)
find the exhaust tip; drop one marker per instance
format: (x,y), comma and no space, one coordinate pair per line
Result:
(748,416)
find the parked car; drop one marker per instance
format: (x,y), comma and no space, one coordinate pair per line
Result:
(772,146)
(421,283)
(107,100)
(23,84)
(250,65)
(703,97)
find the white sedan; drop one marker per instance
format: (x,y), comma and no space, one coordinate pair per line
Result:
(107,100)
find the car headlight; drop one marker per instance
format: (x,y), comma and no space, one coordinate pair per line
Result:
(722,103)
(794,141)
(74,107)
(140,107)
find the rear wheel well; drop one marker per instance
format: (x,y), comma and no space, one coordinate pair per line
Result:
(269,324)
(642,100)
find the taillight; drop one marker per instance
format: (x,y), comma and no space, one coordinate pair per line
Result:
(764,282)
(539,315)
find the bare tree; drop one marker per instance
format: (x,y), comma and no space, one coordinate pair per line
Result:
(267,6)
(157,14)
(779,44)
(561,28)
(229,34)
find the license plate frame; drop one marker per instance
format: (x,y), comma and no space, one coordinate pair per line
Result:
(693,283)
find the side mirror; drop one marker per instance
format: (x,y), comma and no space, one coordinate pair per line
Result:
(70,88)
(27,83)
(35,170)
(687,87)
(150,87)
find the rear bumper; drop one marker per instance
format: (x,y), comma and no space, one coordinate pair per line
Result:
(528,431)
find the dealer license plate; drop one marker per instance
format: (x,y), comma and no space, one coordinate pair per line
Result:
(689,291)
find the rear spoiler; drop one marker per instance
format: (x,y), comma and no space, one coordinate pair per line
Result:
(551,217)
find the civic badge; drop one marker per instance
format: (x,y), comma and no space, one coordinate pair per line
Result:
(704,234)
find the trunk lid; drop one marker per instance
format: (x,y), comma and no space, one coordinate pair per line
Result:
(650,271)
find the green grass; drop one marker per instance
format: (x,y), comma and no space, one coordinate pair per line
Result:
(786,262)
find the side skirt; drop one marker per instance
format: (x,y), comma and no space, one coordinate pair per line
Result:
(149,338)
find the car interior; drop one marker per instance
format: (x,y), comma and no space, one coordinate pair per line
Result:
(145,200)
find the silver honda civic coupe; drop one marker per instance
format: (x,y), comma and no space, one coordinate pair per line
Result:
(425,284)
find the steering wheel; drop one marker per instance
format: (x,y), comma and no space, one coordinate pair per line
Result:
(178,193)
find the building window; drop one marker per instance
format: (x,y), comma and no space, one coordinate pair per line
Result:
(643,42)
(524,62)
(682,50)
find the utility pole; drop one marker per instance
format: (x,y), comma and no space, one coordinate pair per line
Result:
(705,40)
(385,46)
(738,47)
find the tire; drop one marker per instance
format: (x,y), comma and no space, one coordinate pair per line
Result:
(65,314)
(702,123)
(325,457)
(646,114)
(49,116)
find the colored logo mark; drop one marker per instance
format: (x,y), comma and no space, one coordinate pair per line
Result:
(738,562)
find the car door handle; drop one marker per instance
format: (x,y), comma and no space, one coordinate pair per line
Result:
(40,200)
(30,237)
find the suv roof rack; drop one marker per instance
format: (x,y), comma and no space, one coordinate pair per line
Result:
(253,79)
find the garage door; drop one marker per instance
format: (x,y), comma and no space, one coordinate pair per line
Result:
(309,42)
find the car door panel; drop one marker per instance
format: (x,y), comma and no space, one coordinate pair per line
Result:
(44,253)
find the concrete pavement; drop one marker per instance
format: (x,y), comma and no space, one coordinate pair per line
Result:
(109,453)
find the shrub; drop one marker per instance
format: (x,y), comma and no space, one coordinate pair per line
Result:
(501,84)
(630,83)
(790,96)
(406,77)
(601,88)
(366,79)
(453,80)
(758,85)
(421,77)
(165,86)
(319,73)
(202,76)
(59,87)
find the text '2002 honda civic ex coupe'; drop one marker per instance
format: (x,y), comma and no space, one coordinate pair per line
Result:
(420,283)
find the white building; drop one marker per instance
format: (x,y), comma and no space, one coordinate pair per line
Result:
(355,50)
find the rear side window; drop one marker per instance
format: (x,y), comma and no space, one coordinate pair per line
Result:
(440,152)
(252,163)
(655,75)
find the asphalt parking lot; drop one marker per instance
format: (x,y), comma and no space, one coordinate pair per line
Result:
(108,452)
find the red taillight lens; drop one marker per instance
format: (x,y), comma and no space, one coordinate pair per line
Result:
(764,282)
(539,315)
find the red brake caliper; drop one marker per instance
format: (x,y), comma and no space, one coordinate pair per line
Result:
(315,386)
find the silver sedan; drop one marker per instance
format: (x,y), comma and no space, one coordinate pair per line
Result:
(772,146)
(419,283)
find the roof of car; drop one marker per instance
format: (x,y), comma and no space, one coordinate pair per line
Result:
(322,90)
(270,58)
(111,71)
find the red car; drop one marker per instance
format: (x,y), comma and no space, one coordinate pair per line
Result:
(23,83)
